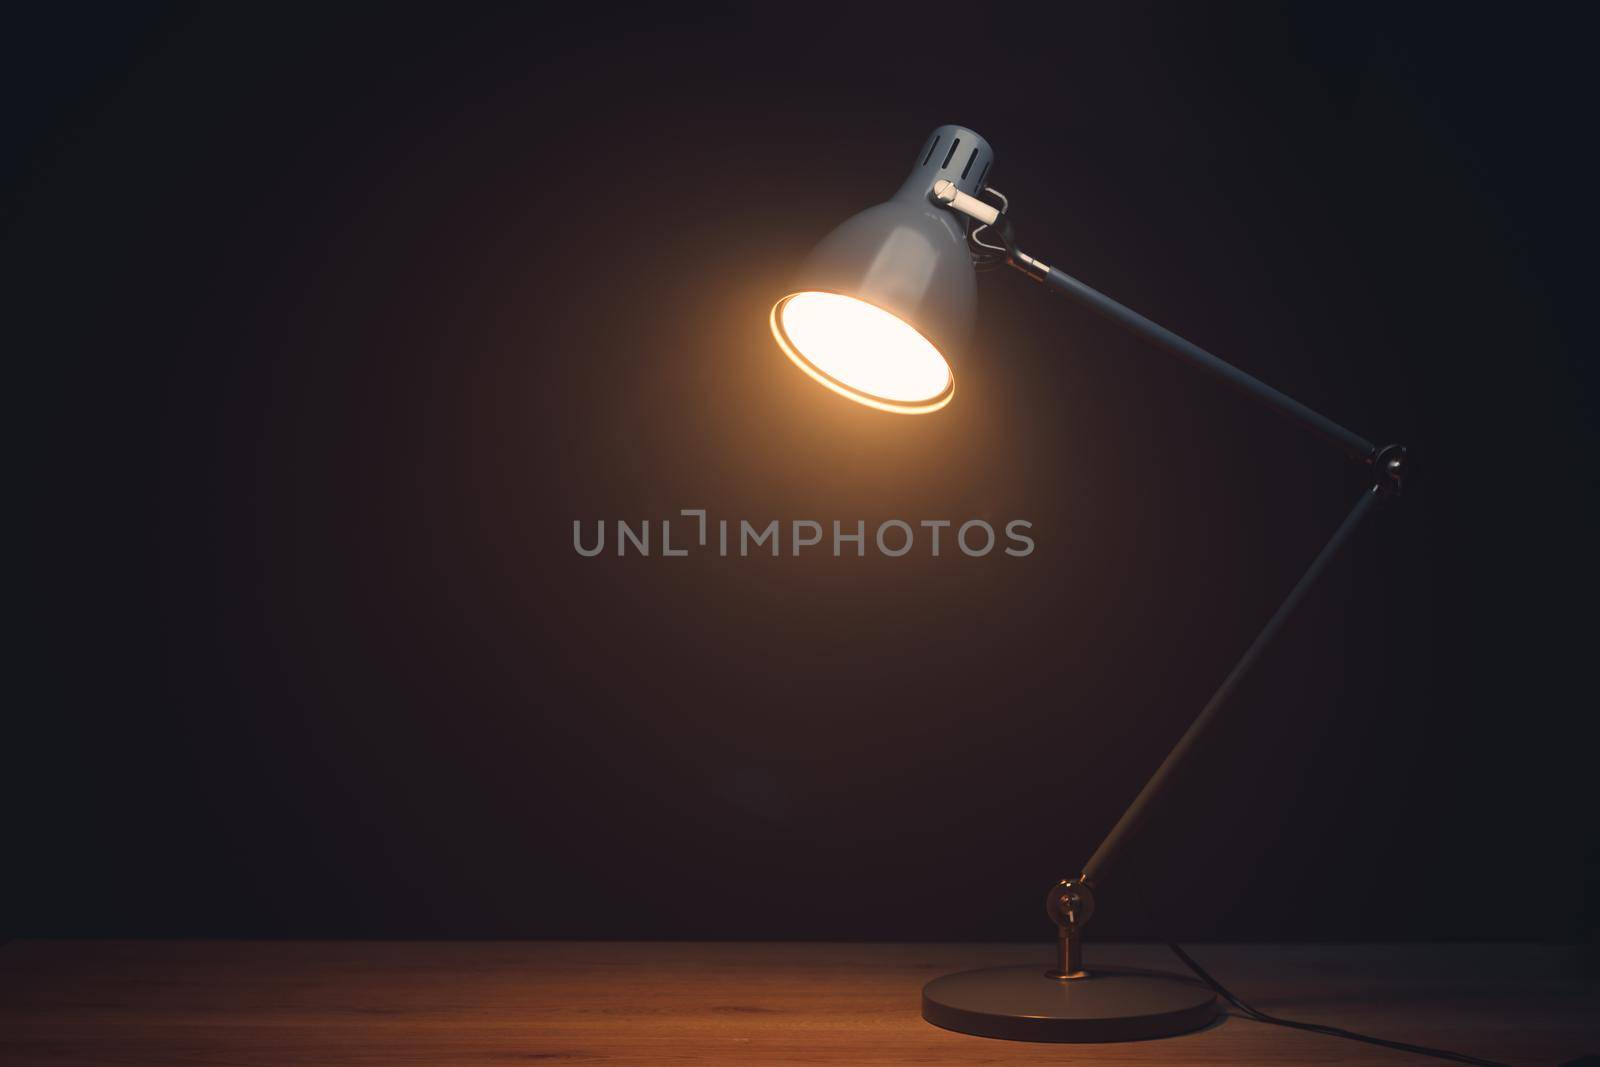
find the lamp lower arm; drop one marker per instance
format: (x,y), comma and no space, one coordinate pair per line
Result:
(1134,816)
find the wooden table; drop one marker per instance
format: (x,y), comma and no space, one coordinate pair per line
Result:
(251,1002)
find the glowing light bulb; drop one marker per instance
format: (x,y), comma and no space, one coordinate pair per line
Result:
(862,352)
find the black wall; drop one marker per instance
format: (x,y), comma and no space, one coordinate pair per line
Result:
(323,329)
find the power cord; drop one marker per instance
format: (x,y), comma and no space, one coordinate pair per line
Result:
(1317,1028)
(1294,1024)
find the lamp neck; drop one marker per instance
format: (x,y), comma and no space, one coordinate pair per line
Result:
(951,153)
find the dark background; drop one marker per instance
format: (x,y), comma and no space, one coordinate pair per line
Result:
(323,328)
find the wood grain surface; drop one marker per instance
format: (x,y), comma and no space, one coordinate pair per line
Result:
(242,1002)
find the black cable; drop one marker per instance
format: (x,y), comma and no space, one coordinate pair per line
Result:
(1317,1028)
(1294,1024)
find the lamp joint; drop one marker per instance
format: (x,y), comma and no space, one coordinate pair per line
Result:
(1390,469)
(1070,905)
(1037,269)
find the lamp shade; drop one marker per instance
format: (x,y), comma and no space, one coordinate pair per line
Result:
(884,301)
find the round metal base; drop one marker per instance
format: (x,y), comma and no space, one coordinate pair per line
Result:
(1021,1004)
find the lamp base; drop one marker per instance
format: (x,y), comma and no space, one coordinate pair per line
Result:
(1022,1004)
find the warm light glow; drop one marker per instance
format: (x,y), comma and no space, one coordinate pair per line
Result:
(862,352)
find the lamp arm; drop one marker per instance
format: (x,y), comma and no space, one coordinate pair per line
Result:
(1352,443)
(987,216)
(1388,468)
(1070,902)
(1132,818)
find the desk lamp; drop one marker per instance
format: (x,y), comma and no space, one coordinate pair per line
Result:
(877,311)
